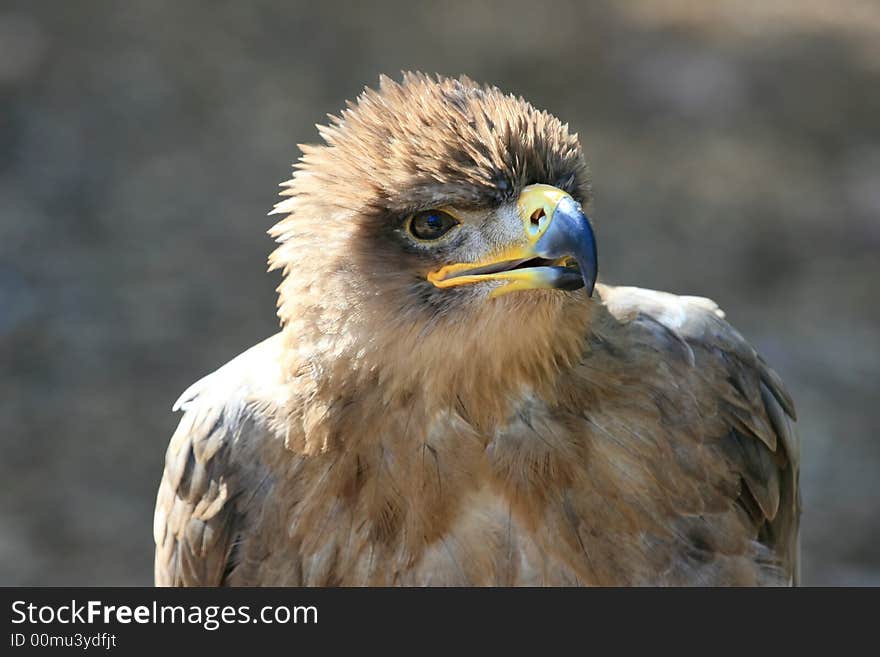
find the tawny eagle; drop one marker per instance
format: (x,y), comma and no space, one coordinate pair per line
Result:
(452,399)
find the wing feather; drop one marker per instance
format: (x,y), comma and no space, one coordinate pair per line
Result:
(194,523)
(209,464)
(760,442)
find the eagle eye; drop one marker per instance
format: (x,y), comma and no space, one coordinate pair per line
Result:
(431,224)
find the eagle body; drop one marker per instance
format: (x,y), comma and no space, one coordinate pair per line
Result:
(415,425)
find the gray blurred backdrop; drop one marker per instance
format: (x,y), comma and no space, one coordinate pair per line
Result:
(735,148)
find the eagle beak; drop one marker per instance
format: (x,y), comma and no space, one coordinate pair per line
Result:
(558,249)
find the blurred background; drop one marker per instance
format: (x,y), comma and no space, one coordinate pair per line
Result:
(735,148)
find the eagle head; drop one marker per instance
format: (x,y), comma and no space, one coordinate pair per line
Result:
(437,212)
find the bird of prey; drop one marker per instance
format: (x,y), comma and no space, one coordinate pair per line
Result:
(453,399)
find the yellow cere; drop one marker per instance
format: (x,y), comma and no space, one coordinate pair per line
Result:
(536,205)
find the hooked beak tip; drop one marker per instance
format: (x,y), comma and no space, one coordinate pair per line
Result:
(570,234)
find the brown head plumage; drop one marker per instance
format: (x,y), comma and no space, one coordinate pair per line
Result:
(423,141)
(349,262)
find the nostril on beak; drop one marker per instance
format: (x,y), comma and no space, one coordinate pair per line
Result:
(536,217)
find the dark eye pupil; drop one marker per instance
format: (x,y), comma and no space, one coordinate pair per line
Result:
(431,224)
